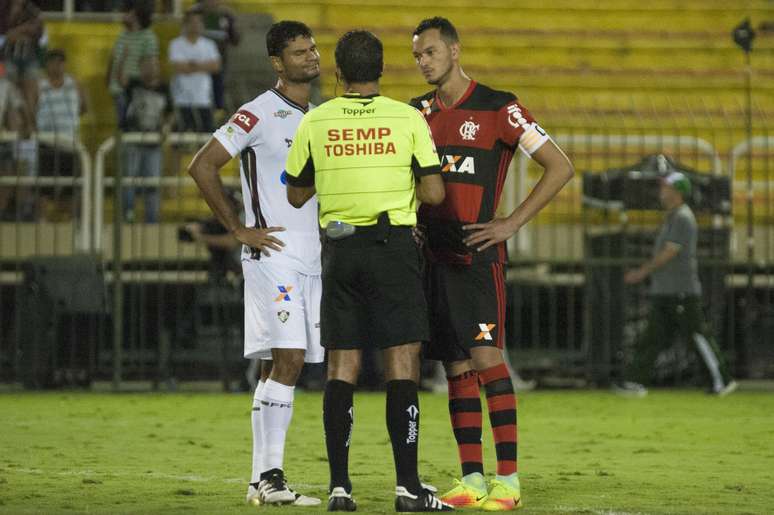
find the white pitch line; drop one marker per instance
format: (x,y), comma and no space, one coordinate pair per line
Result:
(576,509)
(157,475)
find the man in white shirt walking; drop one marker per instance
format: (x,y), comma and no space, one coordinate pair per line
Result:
(194,58)
(281,249)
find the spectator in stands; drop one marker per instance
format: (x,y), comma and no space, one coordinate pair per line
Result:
(148,109)
(60,101)
(11,119)
(193,59)
(220,27)
(136,42)
(58,105)
(21,29)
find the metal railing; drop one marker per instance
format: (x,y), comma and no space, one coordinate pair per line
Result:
(548,279)
(83,180)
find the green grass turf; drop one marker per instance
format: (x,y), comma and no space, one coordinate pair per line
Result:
(581,452)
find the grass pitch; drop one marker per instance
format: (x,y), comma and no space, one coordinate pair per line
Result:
(581,452)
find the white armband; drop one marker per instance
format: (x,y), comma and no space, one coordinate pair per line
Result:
(533,138)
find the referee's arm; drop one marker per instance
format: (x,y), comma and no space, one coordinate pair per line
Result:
(301,187)
(298,195)
(430,187)
(300,168)
(425,163)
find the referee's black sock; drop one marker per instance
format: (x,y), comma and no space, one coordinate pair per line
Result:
(403,426)
(338,418)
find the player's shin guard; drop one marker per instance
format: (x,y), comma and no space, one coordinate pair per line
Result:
(501,401)
(338,418)
(276,414)
(403,426)
(465,413)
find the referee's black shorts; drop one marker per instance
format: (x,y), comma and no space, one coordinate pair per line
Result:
(372,292)
(467,309)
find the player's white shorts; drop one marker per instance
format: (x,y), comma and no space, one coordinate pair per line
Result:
(282,311)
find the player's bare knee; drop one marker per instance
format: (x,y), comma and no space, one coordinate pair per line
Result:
(483,358)
(456,368)
(287,365)
(266,366)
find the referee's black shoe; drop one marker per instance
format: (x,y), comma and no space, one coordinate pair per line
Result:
(340,500)
(406,502)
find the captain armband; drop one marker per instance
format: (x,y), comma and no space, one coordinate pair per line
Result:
(533,138)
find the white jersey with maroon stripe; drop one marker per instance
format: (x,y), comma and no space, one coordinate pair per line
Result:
(262,131)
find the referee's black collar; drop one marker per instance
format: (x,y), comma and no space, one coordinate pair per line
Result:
(288,101)
(358,95)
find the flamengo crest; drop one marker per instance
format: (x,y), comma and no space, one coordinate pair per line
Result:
(468,130)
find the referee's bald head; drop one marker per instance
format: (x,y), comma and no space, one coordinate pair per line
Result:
(359,57)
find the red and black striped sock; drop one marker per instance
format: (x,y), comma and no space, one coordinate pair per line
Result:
(465,412)
(501,401)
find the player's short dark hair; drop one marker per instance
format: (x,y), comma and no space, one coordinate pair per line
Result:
(448,32)
(360,56)
(282,33)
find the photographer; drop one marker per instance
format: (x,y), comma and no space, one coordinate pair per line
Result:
(214,310)
(223,247)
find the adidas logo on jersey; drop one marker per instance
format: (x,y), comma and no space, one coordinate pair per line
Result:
(459,164)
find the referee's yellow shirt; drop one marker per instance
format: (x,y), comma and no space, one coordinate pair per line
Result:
(361,154)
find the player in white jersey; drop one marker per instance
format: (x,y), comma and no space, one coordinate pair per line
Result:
(281,249)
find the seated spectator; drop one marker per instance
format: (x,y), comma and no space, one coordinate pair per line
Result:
(219,26)
(136,42)
(149,109)
(193,59)
(11,119)
(58,106)
(21,29)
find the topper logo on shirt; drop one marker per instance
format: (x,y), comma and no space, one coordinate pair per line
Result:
(516,117)
(459,164)
(244,119)
(427,107)
(469,129)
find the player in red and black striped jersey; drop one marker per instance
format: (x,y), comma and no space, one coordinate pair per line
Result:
(476,131)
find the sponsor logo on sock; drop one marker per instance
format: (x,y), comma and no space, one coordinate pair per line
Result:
(351,412)
(412,432)
(413,426)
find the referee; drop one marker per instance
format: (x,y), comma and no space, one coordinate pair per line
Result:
(369,159)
